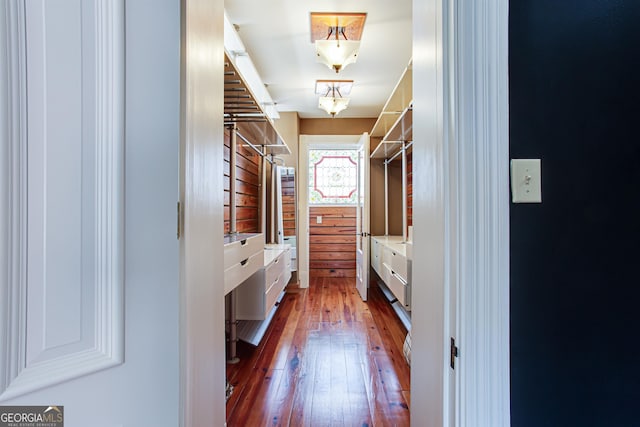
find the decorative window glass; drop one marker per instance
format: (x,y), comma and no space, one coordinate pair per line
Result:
(333,177)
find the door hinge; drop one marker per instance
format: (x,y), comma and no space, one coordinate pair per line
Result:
(178,222)
(454,353)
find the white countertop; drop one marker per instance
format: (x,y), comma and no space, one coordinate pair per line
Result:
(270,254)
(272,246)
(231,238)
(395,243)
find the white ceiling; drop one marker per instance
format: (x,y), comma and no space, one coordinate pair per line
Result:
(276,34)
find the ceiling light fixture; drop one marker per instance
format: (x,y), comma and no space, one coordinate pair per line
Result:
(337,37)
(331,100)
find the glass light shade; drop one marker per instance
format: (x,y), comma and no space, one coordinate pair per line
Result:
(337,55)
(333,105)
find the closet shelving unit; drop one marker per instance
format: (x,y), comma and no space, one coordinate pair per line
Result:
(248,260)
(391,255)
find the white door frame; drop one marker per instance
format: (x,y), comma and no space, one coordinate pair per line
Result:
(469,113)
(483,214)
(461,213)
(202,339)
(362,219)
(307,142)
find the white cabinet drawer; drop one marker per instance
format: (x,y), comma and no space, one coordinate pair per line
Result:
(257,295)
(386,273)
(376,262)
(272,294)
(399,288)
(287,258)
(288,262)
(399,264)
(242,249)
(242,270)
(274,270)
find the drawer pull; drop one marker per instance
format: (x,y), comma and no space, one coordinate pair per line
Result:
(244,261)
(243,242)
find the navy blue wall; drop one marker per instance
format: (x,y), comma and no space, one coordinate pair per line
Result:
(574,70)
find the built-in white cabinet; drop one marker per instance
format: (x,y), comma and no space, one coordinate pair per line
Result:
(256,296)
(389,260)
(243,256)
(291,241)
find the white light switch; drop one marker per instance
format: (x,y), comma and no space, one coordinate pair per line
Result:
(318,220)
(526,181)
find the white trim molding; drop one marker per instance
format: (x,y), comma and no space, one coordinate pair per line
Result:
(33,354)
(481,86)
(461,213)
(308,142)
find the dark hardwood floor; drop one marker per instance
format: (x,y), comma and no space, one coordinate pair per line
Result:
(328,359)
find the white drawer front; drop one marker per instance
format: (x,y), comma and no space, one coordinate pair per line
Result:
(274,270)
(272,294)
(288,268)
(241,250)
(286,276)
(398,287)
(399,265)
(287,257)
(239,272)
(375,259)
(386,273)
(385,253)
(375,263)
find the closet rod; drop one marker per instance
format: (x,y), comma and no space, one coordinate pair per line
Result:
(392,158)
(244,119)
(406,147)
(254,147)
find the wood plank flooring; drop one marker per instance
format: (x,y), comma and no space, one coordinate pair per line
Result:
(327,359)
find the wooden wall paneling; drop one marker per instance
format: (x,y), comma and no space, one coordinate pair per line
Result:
(332,243)
(330,239)
(331,230)
(333,211)
(247,188)
(330,247)
(289,205)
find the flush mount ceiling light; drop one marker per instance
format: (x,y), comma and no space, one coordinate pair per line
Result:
(324,87)
(337,37)
(331,100)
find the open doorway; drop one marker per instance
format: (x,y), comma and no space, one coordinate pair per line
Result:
(328,356)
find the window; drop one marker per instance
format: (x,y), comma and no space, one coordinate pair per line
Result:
(333,177)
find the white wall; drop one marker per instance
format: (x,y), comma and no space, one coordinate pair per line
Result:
(287,127)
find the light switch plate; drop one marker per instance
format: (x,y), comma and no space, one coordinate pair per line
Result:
(526,184)
(318,220)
